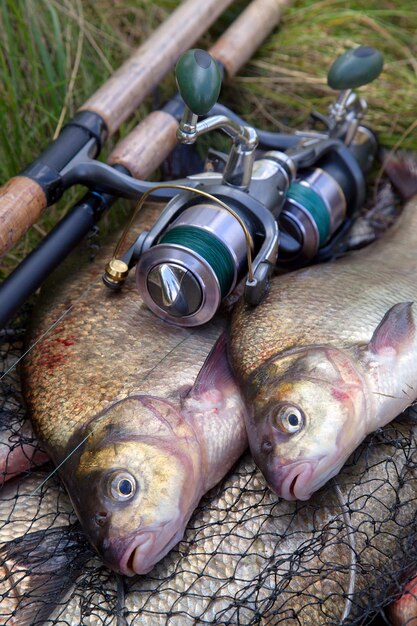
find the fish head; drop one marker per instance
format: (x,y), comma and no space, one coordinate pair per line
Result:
(132,482)
(306,418)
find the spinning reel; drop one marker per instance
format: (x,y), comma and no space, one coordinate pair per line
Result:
(279,209)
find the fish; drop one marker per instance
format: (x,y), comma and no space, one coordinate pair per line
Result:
(140,418)
(403,612)
(247,557)
(41,550)
(329,356)
(19,448)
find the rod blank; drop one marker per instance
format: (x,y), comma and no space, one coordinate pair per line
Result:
(117,99)
(233,49)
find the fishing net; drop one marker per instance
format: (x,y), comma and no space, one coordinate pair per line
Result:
(247,557)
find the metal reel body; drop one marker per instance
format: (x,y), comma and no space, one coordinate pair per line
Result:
(319,201)
(196,253)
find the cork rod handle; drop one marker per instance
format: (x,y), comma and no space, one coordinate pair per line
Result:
(248,31)
(22,200)
(116,100)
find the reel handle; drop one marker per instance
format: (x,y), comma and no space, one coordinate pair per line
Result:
(198,80)
(355,68)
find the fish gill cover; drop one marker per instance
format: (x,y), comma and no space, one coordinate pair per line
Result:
(247,558)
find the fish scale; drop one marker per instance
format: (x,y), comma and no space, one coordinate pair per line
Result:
(334,347)
(292,315)
(247,557)
(73,358)
(315,305)
(141,417)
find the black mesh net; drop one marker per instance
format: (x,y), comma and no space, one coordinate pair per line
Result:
(247,558)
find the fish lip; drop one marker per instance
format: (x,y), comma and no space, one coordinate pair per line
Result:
(325,470)
(300,472)
(143,540)
(141,563)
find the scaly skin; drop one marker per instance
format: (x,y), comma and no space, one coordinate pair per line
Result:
(115,379)
(308,347)
(244,552)
(249,558)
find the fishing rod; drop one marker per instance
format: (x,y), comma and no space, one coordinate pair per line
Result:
(223,226)
(24,197)
(137,155)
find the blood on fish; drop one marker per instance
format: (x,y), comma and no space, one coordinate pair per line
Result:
(70,341)
(50,359)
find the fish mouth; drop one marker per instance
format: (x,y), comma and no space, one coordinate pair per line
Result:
(291,482)
(149,547)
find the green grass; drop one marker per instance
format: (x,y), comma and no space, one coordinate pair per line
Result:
(55,53)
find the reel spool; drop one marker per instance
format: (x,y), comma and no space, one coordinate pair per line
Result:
(199,250)
(318,203)
(195,264)
(201,245)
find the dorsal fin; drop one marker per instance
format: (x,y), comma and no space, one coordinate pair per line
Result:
(395,330)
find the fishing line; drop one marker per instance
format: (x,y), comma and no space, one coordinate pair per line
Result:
(352,545)
(60,464)
(76,302)
(97,280)
(121,602)
(51,327)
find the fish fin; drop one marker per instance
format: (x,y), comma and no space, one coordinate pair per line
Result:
(39,569)
(216,370)
(411,412)
(19,448)
(394,330)
(402,172)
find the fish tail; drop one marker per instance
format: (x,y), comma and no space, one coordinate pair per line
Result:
(37,571)
(402,172)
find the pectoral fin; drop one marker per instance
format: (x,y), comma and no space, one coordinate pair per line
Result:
(216,372)
(395,331)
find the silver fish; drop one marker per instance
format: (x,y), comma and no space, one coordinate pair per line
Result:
(142,418)
(329,356)
(248,557)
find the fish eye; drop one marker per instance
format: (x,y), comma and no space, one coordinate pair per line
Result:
(121,486)
(290,419)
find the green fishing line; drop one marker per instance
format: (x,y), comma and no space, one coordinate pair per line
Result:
(207,246)
(312,202)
